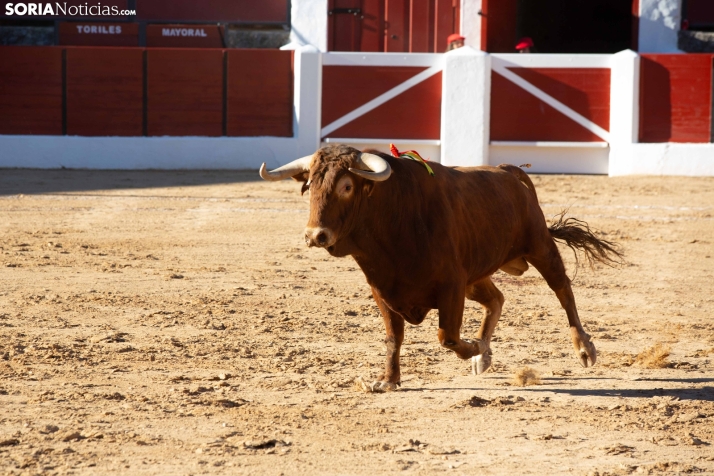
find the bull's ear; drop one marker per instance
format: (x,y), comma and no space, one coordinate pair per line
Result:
(303,177)
(368,187)
(305,187)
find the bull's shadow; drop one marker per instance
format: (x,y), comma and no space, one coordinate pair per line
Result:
(33,181)
(705,393)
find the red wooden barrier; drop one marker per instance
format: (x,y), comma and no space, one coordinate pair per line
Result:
(99,34)
(517,115)
(675,98)
(30,90)
(185,92)
(104,91)
(414,114)
(260,93)
(238,11)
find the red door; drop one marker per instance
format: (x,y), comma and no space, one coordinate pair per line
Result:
(409,26)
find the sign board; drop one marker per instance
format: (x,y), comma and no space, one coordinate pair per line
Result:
(98,34)
(190,36)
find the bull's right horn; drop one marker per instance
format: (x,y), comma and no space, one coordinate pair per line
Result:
(372,167)
(288,170)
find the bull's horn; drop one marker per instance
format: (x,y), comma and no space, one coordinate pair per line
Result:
(288,170)
(372,167)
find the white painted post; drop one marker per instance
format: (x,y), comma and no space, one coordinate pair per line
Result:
(465,107)
(624,109)
(308,100)
(308,24)
(470,26)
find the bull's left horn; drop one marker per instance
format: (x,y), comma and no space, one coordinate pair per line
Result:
(288,170)
(372,167)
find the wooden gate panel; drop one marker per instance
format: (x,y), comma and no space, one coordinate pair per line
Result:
(185,92)
(675,98)
(31,92)
(260,93)
(345,88)
(105,91)
(517,115)
(414,114)
(584,90)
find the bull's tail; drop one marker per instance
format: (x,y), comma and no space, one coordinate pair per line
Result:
(578,236)
(521,175)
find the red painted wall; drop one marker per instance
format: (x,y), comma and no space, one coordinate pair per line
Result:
(414,114)
(260,100)
(30,90)
(517,115)
(105,91)
(185,92)
(675,97)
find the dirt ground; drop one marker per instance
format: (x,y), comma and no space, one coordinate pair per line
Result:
(175,323)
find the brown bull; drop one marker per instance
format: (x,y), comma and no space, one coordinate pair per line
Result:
(428,242)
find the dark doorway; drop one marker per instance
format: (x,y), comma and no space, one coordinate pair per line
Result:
(576,26)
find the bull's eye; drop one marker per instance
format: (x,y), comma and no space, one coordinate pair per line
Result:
(348,188)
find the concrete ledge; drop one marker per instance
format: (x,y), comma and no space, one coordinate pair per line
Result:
(47,152)
(662,159)
(509,143)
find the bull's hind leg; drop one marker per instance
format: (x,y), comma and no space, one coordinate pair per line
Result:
(548,262)
(487,294)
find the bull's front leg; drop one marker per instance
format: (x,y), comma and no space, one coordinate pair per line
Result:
(451,314)
(394,325)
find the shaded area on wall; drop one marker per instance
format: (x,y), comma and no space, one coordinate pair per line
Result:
(675,98)
(106,91)
(517,115)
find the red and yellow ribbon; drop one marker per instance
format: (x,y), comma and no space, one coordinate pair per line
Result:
(411,155)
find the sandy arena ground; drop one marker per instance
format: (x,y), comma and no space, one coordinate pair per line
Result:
(175,323)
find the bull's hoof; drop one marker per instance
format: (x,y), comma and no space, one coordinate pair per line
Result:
(382,386)
(587,354)
(480,363)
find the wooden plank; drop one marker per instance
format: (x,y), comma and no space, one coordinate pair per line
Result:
(414,114)
(185,92)
(517,115)
(185,36)
(444,24)
(98,34)
(675,97)
(260,93)
(31,91)
(372,26)
(104,91)
(396,39)
(344,29)
(585,90)
(235,11)
(420,26)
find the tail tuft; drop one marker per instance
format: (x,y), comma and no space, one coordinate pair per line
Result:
(578,236)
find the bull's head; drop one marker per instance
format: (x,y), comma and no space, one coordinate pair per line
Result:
(339,179)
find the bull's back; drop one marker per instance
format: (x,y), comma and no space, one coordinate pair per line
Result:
(495,211)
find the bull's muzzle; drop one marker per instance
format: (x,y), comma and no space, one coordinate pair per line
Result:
(320,237)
